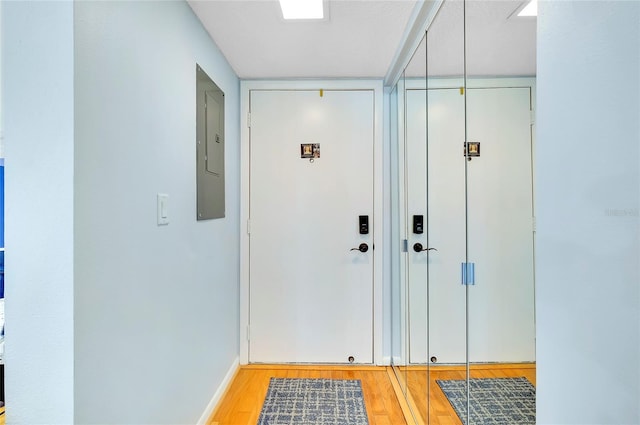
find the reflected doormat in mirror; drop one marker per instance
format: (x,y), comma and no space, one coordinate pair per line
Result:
(313,402)
(494,401)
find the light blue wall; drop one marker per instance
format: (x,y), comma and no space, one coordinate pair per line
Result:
(587,203)
(37,97)
(156,307)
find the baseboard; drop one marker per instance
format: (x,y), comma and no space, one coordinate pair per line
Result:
(228,378)
(386,361)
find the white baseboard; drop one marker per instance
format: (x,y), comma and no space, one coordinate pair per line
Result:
(386,361)
(219,392)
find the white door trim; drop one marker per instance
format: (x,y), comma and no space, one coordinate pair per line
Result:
(378,197)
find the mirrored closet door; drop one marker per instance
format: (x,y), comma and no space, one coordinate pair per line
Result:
(500,124)
(463,201)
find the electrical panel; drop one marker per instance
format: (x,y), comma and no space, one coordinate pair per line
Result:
(209,148)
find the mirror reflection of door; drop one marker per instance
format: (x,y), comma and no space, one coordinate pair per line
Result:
(457,336)
(501,327)
(500,199)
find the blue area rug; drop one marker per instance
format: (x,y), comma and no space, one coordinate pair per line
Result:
(493,401)
(313,402)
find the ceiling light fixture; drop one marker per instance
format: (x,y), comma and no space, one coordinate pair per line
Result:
(531,9)
(302,9)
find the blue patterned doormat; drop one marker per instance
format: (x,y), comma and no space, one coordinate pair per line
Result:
(493,401)
(296,401)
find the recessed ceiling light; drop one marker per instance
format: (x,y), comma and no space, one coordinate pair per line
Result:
(531,9)
(302,9)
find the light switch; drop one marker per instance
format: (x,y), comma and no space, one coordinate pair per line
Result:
(163,209)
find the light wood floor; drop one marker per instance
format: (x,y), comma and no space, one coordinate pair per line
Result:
(440,410)
(243,400)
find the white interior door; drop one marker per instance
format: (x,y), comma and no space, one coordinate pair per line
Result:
(310,294)
(501,306)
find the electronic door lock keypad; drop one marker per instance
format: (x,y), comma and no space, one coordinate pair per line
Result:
(363,224)
(418,224)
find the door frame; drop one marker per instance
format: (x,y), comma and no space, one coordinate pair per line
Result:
(381,223)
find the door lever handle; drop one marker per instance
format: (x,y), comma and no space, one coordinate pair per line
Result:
(417,247)
(363,247)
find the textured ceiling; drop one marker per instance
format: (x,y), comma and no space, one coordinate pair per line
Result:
(498,43)
(360,39)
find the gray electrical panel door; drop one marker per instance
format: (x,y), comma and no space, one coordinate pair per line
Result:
(209,147)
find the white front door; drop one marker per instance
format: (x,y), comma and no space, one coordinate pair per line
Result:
(310,294)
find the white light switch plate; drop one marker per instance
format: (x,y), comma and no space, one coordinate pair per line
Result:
(163,209)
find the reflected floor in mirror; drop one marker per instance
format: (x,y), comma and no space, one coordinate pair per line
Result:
(439,408)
